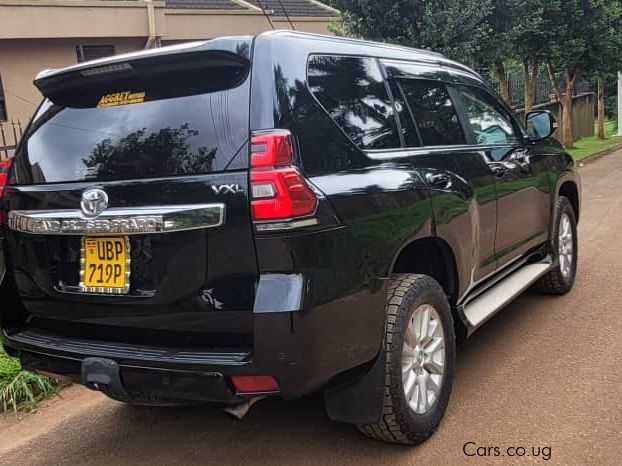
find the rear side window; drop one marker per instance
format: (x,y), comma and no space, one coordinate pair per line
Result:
(177,124)
(434,112)
(409,130)
(352,91)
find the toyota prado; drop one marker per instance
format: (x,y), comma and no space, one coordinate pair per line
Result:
(275,216)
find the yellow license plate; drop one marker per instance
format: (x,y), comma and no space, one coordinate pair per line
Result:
(105,265)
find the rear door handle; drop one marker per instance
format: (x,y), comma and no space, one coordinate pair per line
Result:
(439,180)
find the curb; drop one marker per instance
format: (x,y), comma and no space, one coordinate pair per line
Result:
(592,158)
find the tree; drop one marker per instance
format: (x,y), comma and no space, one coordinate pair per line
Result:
(497,46)
(578,31)
(529,38)
(606,59)
(453,27)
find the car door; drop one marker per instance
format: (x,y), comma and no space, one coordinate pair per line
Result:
(521,180)
(460,181)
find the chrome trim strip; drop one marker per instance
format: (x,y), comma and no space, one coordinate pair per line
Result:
(384,154)
(118,221)
(287,225)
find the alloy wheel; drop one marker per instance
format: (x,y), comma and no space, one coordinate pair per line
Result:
(565,244)
(423,359)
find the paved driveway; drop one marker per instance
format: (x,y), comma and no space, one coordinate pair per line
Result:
(544,374)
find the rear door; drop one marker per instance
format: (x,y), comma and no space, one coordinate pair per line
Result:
(128,203)
(461,184)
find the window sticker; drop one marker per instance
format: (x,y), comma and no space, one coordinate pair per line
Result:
(121,98)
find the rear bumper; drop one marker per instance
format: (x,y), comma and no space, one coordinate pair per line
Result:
(302,350)
(146,374)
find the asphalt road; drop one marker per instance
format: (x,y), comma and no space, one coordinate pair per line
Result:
(545,374)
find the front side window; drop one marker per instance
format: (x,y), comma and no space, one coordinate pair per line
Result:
(488,123)
(434,112)
(353,92)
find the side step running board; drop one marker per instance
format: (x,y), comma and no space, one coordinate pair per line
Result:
(492,300)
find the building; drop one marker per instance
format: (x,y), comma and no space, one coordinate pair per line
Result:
(40,34)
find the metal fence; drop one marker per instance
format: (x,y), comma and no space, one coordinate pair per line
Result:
(544,90)
(10,134)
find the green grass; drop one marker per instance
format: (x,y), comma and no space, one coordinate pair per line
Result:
(585,147)
(19,388)
(9,367)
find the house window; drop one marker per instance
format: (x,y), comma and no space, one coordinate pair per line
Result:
(3,116)
(93,52)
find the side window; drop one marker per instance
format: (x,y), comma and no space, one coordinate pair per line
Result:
(488,121)
(434,112)
(407,121)
(352,91)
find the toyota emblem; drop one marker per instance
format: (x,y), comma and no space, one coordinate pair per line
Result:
(94,202)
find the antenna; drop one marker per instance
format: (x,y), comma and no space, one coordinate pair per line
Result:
(265,13)
(287,16)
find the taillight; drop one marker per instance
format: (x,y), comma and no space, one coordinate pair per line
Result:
(278,189)
(5,165)
(272,149)
(4,175)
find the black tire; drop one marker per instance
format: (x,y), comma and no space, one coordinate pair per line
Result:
(554,282)
(399,423)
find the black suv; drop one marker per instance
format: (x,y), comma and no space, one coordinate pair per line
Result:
(277,215)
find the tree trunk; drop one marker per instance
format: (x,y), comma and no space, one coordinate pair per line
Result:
(565,101)
(534,81)
(601,108)
(568,139)
(504,85)
(529,85)
(527,88)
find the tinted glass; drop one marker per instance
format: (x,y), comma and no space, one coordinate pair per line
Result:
(489,123)
(407,122)
(352,91)
(434,112)
(168,134)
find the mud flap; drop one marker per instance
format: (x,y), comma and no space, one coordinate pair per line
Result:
(103,375)
(360,401)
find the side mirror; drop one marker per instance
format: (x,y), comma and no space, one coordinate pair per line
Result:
(540,125)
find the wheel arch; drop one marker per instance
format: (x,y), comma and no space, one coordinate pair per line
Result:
(430,256)
(434,257)
(570,190)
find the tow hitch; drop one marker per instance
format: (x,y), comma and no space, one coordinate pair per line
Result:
(103,375)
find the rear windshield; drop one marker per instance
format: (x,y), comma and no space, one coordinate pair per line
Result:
(178,124)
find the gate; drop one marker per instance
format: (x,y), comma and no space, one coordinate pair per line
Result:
(10,134)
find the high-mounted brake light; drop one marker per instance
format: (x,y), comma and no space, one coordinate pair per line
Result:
(278,189)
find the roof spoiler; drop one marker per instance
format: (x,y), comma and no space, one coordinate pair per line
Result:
(225,51)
